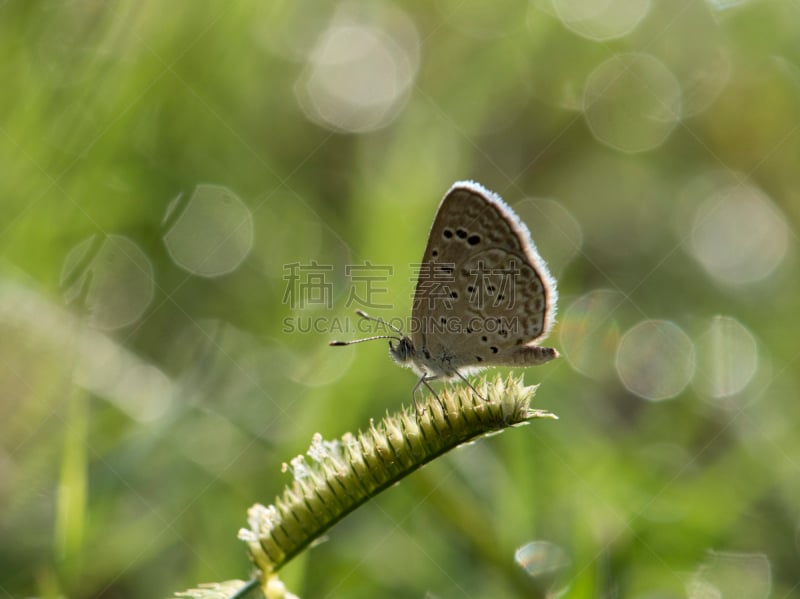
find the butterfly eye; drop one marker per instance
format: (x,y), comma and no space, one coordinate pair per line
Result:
(474,239)
(447,233)
(461,233)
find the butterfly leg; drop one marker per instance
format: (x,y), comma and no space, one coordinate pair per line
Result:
(474,390)
(424,380)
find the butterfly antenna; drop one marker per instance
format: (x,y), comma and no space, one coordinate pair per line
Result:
(338,343)
(377,319)
(366,316)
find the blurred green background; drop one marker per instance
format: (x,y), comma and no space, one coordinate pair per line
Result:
(164,165)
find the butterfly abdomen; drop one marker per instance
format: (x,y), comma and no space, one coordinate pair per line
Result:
(531,355)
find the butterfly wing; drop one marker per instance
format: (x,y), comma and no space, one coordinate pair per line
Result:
(484,296)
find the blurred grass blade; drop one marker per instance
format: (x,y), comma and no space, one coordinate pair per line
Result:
(72,487)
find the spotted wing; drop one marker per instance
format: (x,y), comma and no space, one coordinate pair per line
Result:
(484,295)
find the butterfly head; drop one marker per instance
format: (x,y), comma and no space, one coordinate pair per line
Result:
(403,350)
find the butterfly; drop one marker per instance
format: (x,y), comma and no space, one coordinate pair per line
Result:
(484,297)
